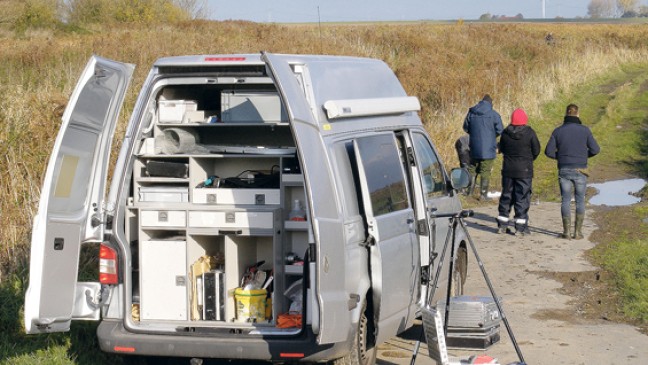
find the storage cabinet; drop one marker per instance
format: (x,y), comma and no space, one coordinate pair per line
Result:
(163,280)
(202,219)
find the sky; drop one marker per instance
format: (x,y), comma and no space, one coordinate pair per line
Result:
(286,11)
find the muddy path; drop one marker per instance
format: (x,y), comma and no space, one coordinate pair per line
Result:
(545,284)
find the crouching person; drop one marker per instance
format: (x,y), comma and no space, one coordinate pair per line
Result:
(520,147)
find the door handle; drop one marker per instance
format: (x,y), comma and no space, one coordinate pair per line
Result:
(410,220)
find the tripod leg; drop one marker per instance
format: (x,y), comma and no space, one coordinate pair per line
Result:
(431,289)
(492,291)
(453,228)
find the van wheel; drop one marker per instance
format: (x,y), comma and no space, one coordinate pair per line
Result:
(363,351)
(460,273)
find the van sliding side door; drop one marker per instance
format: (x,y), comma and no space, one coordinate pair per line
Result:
(438,200)
(391,226)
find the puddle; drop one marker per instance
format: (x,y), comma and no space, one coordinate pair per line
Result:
(617,193)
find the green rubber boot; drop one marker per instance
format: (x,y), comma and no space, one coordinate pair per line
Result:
(578,226)
(566,228)
(471,187)
(483,189)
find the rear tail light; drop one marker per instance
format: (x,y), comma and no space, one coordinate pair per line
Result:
(107,265)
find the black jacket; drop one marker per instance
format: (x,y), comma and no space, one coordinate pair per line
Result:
(520,147)
(572,144)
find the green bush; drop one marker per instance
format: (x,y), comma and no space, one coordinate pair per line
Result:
(33,14)
(125,11)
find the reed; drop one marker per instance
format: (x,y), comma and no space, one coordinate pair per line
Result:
(449,67)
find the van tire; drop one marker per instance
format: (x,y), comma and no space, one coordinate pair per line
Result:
(363,351)
(460,272)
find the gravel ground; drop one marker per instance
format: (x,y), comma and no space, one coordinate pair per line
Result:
(544,314)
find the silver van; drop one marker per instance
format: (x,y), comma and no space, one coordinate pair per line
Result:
(262,206)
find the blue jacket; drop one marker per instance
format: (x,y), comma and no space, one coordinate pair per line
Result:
(483,124)
(572,144)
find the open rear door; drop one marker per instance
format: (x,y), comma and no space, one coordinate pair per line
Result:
(390,222)
(331,297)
(72,191)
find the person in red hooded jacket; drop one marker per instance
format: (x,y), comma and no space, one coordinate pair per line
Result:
(520,147)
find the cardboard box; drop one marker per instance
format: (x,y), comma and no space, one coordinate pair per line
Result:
(194,116)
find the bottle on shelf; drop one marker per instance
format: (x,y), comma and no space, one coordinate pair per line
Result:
(297,213)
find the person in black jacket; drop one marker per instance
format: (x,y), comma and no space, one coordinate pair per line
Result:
(572,144)
(462,146)
(484,125)
(520,147)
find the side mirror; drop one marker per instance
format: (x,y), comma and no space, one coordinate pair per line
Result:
(459,178)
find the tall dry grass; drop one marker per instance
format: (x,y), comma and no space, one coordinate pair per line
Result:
(449,67)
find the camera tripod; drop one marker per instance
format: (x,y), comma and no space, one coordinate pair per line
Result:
(455,221)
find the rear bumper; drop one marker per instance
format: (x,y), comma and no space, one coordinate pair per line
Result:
(113,337)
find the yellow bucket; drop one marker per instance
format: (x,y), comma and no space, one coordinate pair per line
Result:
(250,305)
(268,308)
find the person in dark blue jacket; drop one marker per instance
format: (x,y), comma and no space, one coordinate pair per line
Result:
(484,125)
(571,145)
(520,146)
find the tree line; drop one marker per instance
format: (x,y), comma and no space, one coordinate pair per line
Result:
(616,8)
(20,15)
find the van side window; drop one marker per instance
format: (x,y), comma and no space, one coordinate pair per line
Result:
(384,173)
(431,170)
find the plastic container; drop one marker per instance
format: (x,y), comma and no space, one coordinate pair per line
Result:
(173,111)
(166,194)
(297,213)
(250,305)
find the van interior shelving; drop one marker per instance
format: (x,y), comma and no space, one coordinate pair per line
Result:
(213,185)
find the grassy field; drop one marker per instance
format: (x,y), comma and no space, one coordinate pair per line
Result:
(601,67)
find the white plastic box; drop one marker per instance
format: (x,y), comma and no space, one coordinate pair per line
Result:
(173,111)
(165,194)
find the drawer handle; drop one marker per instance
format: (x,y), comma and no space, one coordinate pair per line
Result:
(226,232)
(163,216)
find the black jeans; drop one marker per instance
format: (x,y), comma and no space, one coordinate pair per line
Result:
(516,193)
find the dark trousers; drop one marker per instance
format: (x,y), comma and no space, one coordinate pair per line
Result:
(516,193)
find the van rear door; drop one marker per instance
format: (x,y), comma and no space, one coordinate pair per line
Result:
(391,225)
(72,193)
(331,297)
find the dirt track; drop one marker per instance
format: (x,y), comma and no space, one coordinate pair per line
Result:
(544,321)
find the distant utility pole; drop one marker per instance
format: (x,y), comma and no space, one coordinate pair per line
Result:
(319,26)
(543,9)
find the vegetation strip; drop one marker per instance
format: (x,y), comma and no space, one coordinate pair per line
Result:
(448,66)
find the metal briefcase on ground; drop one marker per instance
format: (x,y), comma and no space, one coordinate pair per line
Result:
(471,312)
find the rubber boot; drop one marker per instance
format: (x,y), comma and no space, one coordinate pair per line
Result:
(502,224)
(522,227)
(578,226)
(471,187)
(483,188)
(566,228)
